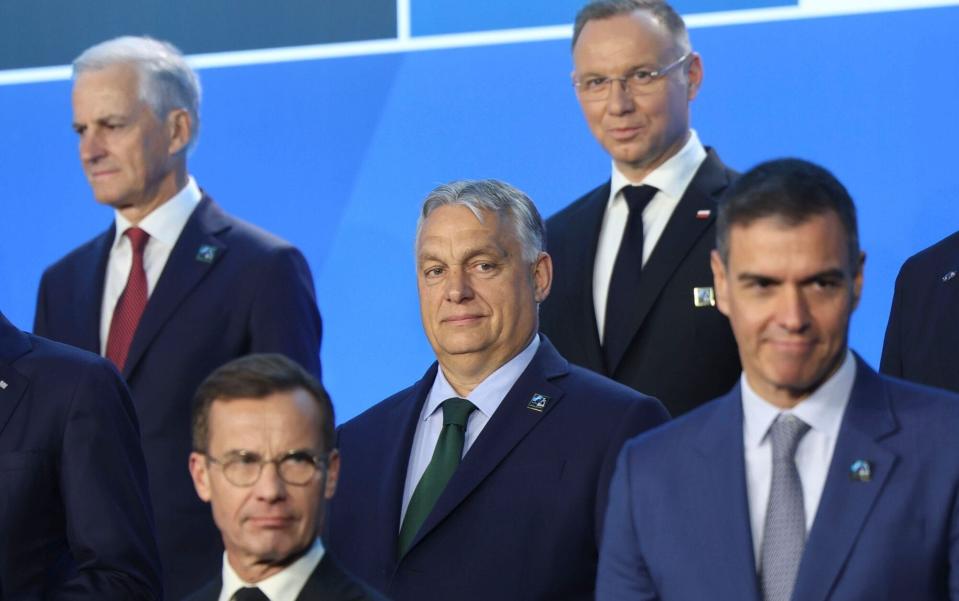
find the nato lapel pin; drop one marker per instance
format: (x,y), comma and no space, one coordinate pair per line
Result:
(704,297)
(206,253)
(3,385)
(860,471)
(538,402)
(948,276)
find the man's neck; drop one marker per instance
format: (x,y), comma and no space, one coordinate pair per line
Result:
(165,189)
(637,172)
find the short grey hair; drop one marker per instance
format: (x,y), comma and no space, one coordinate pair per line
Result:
(166,81)
(663,12)
(509,204)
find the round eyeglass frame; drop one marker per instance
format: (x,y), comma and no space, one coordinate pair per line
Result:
(248,458)
(635,82)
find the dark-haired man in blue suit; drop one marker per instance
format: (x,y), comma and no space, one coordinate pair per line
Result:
(922,336)
(815,478)
(175,287)
(75,516)
(487,478)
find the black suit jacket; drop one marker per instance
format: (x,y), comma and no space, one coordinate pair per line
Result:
(327,583)
(75,516)
(521,517)
(681,354)
(228,289)
(922,337)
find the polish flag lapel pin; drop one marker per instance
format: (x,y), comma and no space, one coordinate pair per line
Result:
(703,214)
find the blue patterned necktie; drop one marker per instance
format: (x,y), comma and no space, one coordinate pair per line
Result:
(784,534)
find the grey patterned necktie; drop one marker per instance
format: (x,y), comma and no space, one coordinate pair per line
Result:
(784,534)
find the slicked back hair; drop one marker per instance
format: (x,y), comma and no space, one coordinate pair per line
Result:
(509,204)
(663,12)
(165,80)
(792,191)
(257,377)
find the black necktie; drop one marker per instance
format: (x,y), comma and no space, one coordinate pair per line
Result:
(624,284)
(250,593)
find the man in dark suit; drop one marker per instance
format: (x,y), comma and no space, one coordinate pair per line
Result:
(175,287)
(75,513)
(487,478)
(922,337)
(256,411)
(815,478)
(632,297)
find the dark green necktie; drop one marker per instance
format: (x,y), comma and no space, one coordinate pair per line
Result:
(446,457)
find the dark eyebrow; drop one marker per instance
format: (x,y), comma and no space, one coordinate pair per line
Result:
(757,277)
(829,274)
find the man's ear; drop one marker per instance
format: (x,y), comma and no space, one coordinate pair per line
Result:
(720,283)
(179,128)
(332,474)
(542,277)
(200,473)
(694,76)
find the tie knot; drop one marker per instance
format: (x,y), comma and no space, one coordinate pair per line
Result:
(250,593)
(456,411)
(138,239)
(637,197)
(785,434)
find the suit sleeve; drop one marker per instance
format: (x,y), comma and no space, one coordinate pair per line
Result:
(622,573)
(891,362)
(285,318)
(644,414)
(103,483)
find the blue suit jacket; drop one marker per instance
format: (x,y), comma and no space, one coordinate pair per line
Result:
(922,338)
(75,517)
(520,518)
(255,294)
(679,529)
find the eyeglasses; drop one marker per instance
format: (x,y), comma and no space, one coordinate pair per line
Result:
(596,87)
(296,467)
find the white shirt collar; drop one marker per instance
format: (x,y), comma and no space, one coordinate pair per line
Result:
(673,176)
(285,585)
(491,391)
(822,410)
(166,221)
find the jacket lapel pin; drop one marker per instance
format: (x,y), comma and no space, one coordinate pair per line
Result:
(860,471)
(3,385)
(206,253)
(948,276)
(703,214)
(704,297)
(537,402)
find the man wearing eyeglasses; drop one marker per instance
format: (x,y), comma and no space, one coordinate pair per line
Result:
(632,295)
(264,460)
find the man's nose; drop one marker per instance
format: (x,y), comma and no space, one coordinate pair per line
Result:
(270,486)
(458,287)
(91,147)
(620,99)
(793,310)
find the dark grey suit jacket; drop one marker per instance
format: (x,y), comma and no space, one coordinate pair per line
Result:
(679,353)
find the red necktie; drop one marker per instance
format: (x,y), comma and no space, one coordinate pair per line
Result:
(131,303)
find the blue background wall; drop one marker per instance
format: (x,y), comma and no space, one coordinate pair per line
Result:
(336,155)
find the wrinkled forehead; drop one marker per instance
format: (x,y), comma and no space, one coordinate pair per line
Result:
(277,423)
(815,242)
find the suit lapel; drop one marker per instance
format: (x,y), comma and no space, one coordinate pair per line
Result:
(184,269)
(406,413)
(13,345)
(726,528)
(582,262)
(89,298)
(328,582)
(682,233)
(511,422)
(845,502)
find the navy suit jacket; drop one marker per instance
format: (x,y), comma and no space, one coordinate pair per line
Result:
(521,517)
(254,294)
(75,517)
(327,583)
(922,338)
(681,354)
(679,529)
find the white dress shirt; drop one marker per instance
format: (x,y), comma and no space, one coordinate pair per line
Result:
(285,585)
(164,225)
(823,411)
(671,179)
(487,398)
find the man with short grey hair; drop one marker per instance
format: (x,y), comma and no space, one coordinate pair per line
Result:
(175,286)
(487,478)
(632,297)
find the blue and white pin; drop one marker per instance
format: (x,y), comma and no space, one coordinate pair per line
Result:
(3,385)
(538,402)
(860,471)
(206,253)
